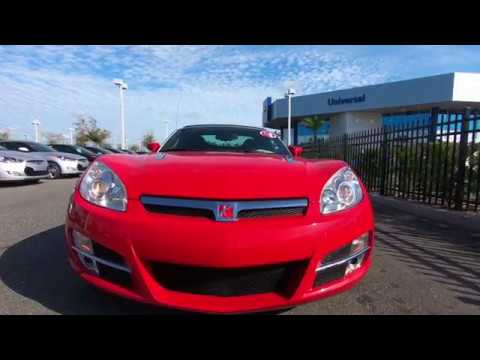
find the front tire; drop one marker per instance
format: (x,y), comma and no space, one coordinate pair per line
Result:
(54,171)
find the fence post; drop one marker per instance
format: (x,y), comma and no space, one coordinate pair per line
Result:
(462,158)
(384,161)
(345,142)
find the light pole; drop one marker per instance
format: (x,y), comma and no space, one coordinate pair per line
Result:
(290,92)
(166,128)
(36,125)
(71,135)
(122,86)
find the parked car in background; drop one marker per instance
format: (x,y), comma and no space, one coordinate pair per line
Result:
(113,150)
(75,149)
(59,163)
(98,150)
(17,166)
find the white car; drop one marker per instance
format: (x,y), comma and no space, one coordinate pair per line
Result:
(59,163)
(17,166)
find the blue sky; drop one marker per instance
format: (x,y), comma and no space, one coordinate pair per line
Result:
(193,84)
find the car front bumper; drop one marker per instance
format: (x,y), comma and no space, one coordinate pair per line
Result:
(144,239)
(72,167)
(23,171)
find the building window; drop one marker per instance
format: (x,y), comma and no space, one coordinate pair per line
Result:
(306,135)
(406,119)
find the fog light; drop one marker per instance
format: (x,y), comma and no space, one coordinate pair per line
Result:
(359,244)
(82,242)
(354,264)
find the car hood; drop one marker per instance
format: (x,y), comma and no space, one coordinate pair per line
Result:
(20,155)
(225,176)
(51,155)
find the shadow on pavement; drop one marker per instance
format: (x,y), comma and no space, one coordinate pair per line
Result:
(37,268)
(448,255)
(10,184)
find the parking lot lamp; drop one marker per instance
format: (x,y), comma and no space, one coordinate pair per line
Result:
(71,135)
(122,85)
(36,125)
(290,92)
(166,128)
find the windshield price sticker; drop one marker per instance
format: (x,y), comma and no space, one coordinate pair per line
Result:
(268,134)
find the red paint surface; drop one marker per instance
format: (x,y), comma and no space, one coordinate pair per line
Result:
(141,236)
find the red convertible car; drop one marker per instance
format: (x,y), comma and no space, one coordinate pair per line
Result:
(221,219)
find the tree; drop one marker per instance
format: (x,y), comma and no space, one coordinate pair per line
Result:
(134,148)
(148,138)
(314,123)
(86,130)
(4,135)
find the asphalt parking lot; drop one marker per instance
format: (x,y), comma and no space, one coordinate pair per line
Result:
(420,266)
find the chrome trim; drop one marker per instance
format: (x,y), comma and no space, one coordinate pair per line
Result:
(160,155)
(213,205)
(341,262)
(101,261)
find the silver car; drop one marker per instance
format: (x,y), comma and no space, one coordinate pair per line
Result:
(59,163)
(17,166)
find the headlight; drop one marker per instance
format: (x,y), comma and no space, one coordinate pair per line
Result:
(102,187)
(8,159)
(342,191)
(63,158)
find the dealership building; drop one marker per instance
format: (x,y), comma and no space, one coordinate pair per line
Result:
(362,108)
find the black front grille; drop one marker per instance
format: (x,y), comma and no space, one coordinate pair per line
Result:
(81,167)
(183,211)
(256,213)
(30,172)
(282,279)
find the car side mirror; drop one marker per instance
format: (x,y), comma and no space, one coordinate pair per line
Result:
(153,147)
(296,150)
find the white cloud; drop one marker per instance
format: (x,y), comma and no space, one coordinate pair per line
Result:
(188,84)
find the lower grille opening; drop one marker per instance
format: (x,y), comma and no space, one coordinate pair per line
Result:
(107,254)
(282,279)
(30,172)
(330,274)
(337,255)
(109,273)
(113,275)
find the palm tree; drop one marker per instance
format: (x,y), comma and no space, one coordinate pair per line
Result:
(314,123)
(148,138)
(4,135)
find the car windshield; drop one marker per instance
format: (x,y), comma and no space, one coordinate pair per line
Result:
(40,147)
(226,139)
(2,148)
(83,151)
(98,150)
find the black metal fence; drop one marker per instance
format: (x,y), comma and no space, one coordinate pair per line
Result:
(435,162)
